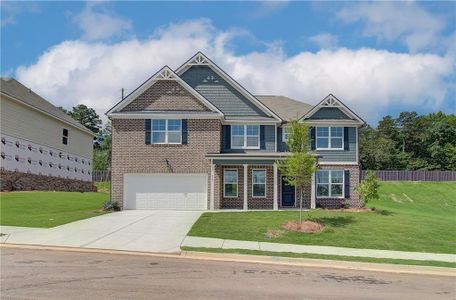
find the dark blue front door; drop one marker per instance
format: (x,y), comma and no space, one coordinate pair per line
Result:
(288,194)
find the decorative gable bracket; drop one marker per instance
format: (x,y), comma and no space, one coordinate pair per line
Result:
(198,59)
(165,74)
(330,101)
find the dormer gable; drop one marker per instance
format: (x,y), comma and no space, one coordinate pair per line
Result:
(164,91)
(331,108)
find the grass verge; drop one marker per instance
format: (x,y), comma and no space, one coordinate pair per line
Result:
(328,257)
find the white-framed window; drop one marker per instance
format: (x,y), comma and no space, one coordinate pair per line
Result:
(166,131)
(245,136)
(230,183)
(330,183)
(285,134)
(258,183)
(331,138)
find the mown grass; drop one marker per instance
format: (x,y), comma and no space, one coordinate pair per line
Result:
(48,209)
(409,216)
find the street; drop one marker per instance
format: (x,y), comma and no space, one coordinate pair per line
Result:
(46,274)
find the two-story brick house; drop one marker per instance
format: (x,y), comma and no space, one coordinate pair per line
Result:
(193,138)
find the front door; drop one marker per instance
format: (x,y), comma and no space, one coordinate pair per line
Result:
(288,194)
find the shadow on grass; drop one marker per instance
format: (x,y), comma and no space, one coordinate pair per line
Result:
(335,221)
(384,212)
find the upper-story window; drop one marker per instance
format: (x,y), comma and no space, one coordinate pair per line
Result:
(166,131)
(285,134)
(65,136)
(330,138)
(245,136)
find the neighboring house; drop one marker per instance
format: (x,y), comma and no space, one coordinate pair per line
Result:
(194,138)
(41,146)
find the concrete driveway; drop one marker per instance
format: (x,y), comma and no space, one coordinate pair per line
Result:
(133,230)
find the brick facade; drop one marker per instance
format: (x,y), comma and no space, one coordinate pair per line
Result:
(354,200)
(166,95)
(130,154)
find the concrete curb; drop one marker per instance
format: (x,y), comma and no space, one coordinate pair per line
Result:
(260,259)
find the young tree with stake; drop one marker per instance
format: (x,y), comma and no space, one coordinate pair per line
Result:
(299,167)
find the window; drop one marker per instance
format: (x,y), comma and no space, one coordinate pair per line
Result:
(166,131)
(230,183)
(245,136)
(259,183)
(330,184)
(285,134)
(330,138)
(65,136)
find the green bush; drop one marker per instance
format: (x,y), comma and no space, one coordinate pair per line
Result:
(368,188)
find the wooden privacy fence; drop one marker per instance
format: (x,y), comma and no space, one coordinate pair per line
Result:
(101,176)
(405,175)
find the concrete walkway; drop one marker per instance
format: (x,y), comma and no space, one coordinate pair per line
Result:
(191,241)
(131,230)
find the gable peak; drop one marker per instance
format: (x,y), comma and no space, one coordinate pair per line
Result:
(331,101)
(165,74)
(199,59)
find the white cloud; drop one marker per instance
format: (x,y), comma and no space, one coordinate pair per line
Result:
(368,80)
(269,7)
(390,21)
(325,40)
(97,23)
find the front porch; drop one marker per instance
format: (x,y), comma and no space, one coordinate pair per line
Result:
(253,182)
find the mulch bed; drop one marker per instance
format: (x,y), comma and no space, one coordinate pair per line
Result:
(306,226)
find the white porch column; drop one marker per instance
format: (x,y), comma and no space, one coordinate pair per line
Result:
(212,191)
(276,188)
(245,188)
(312,192)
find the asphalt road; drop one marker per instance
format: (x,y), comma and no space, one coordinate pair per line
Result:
(45,274)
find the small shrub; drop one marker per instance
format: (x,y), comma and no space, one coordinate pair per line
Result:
(368,188)
(111,206)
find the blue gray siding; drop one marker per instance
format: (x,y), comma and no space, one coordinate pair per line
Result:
(219,92)
(329,113)
(341,155)
(269,141)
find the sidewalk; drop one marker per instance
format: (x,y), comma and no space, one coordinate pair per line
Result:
(191,241)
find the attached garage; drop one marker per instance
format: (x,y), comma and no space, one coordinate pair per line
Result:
(165,191)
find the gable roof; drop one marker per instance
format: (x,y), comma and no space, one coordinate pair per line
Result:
(166,73)
(332,101)
(285,107)
(19,92)
(199,59)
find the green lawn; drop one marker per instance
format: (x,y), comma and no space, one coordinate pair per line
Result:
(409,217)
(49,209)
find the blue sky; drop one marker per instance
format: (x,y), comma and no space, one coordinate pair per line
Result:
(379,58)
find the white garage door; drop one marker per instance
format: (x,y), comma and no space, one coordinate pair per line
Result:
(165,191)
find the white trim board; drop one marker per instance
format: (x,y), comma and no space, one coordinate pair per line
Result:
(164,74)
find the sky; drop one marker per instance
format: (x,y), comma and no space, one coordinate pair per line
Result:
(379,58)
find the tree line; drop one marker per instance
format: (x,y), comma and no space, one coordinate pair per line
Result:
(408,142)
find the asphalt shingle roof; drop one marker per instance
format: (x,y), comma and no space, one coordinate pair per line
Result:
(286,108)
(14,88)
